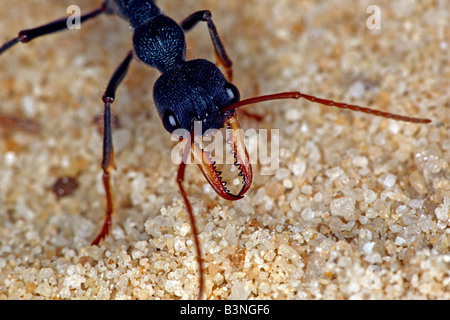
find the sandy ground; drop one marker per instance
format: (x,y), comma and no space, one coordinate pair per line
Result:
(358,208)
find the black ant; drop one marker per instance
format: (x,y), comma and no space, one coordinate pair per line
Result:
(186,91)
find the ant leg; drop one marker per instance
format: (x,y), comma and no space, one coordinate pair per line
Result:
(180,179)
(108,149)
(55,26)
(219,49)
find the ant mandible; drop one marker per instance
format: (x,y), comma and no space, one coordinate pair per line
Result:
(186,91)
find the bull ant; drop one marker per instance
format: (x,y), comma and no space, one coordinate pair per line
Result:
(187,91)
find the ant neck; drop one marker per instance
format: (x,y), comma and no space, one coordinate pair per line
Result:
(141,11)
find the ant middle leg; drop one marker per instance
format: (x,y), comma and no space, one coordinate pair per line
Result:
(58,25)
(219,49)
(108,148)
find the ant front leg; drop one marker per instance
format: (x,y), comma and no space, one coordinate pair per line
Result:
(219,49)
(108,149)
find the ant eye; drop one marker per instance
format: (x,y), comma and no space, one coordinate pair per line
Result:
(232,93)
(170,121)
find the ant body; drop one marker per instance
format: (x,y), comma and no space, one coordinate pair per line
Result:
(186,91)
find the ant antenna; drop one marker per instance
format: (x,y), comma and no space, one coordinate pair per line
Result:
(330,103)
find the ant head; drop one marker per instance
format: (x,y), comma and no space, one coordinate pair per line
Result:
(194,90)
